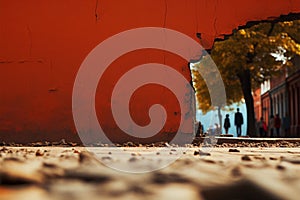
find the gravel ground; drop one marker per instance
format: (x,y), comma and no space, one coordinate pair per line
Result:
(63,173)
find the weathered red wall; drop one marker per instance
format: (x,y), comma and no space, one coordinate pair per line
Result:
(43,43)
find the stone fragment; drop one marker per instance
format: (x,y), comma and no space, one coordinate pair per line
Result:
(201,153)
(106,158)
(39,153)
(132,159)
(77,151)
(280,167)
(246,158)
(84,156)
(273,158)
(234,150)
(209,161)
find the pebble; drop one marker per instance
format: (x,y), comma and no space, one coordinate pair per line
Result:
(132,159)
(106,158)
(84,156)
(201,153)
(273,158)
(76,151)
(280,167)
(246,158)
(236,171)
(233,150)
(209,161)
(39,153)
(259,158)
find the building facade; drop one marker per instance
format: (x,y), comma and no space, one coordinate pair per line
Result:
(281,95)
(294,100)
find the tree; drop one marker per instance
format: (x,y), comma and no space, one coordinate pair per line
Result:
(202,93)
(248,58)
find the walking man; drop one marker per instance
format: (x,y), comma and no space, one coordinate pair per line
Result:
(238,122)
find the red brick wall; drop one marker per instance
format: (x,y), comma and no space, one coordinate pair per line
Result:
(43,43)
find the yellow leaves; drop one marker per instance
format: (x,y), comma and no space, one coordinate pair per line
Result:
(288,23)
(272,39)
(251,48)
(232,85)
(297,49)
(252,67)
(242,32)
(284,35)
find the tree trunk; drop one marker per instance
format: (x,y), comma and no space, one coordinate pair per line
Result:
(220,119)
(245,80)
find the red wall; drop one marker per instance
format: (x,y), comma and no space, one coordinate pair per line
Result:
(43,43)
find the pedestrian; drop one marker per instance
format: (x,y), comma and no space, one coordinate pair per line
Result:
(286,123)
(272,126)
(226,123)
(238,122)
(277,124)
(262,127)
(199,131)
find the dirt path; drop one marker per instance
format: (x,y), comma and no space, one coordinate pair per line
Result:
(44,173)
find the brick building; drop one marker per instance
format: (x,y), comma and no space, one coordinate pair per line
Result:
(294,100)
(281,95)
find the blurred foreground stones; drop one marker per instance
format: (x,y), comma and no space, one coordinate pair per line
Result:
(42,173)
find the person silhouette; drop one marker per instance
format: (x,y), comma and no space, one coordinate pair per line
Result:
(262,127)
(226,124)
(238,122)
(199,131)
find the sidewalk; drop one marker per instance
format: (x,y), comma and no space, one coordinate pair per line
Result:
(219,140)
(46,173)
